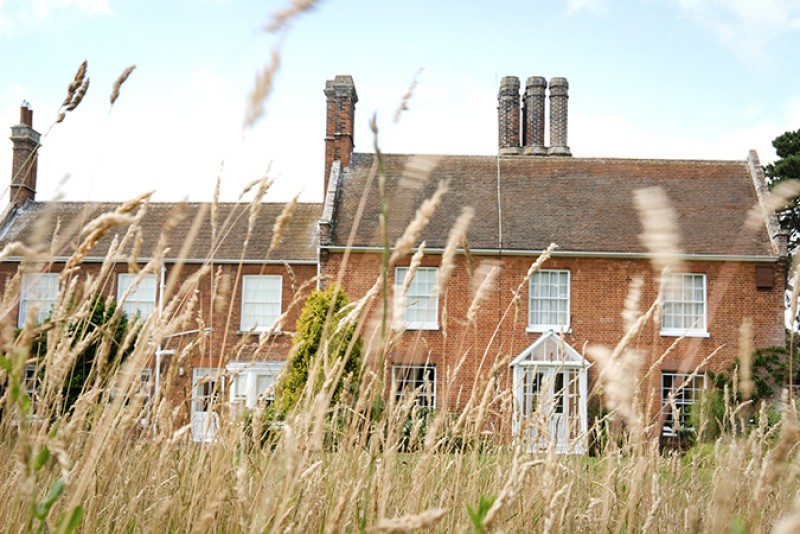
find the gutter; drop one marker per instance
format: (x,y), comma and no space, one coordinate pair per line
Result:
(192,261)
(575,254)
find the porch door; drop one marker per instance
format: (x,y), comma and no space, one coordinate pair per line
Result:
(549,407)
(206,391)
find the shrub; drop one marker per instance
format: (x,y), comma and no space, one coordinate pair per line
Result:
(106,333)
(318,333)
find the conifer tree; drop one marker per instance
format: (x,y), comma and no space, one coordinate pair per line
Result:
(787,167)
(320,316)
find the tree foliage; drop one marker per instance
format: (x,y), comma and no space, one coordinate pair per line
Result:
(770,372)
(106,333)
(787,167)
(320,316)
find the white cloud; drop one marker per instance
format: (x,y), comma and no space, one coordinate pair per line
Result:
(793,110)
(614,136)
(745,26)
(44,8)
(20,16)
(592,6)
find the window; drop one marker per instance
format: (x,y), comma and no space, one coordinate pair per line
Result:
(32,382)
(418,380)
(549,301)
(39,291)
(261,301)
(142,298)
(254,381)
(685,389)
(145,385)
(422,306)
(685,306)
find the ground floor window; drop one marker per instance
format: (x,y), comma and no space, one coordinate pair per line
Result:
(678,392)
(206,391)
(253,382)
(416,380)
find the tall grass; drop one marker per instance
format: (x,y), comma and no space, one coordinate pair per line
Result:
(364,463)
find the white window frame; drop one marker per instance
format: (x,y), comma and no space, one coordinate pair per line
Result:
(687,393)
(31,381)
(402,385)
(672,299)
(145,385)
(247,324)
(141,300)
(245,375)
(546,327)
(418,301)
(45,287)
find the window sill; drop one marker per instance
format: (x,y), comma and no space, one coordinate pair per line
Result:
(540,329)
(684,333)
(422,326)
(258,332)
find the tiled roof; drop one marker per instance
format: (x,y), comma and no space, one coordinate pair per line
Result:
(582,204)
(41,220)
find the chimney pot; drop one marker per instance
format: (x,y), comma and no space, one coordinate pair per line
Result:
(339,123)
(508,125)
(559,89)
(24,162)
(533,125)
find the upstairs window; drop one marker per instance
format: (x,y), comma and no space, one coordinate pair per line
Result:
(685,306)
(548,307)
(679,391)
(142,298)
(38,291)
(261,301)
(417,380)
(422,306)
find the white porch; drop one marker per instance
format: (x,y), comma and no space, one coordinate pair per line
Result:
(550,381)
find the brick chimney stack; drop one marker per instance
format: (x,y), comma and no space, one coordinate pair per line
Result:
(559,87)
(533,127)
(340,118)
(24,161)
(508,124)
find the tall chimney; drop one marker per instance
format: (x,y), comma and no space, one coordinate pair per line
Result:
(340,117)
(533,126)
(559,88)
(508,116)
(25,159)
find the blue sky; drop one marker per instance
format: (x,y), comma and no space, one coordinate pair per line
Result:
(704,79)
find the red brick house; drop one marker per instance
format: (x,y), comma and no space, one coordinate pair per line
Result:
(524,198)
(528,334)
(189,258)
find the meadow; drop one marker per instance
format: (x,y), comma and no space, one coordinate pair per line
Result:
(114,460)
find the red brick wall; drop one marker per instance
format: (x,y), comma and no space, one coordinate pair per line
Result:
(598,291)
(224,342)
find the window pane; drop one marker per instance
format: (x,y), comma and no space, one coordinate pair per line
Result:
(421,306)
(418,380)
(684,303)
(37,290)
(142,298)
(679,391)
(261,301)
(549,299)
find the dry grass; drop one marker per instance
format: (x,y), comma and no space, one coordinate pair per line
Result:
(349,467)
(346,467)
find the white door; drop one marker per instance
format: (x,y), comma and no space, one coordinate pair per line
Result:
(206,391)
(548,406)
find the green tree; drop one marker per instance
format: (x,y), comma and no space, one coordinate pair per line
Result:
(320,316)
(787,167)
(107,336)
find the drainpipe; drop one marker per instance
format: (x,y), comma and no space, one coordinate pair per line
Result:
(159,351)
